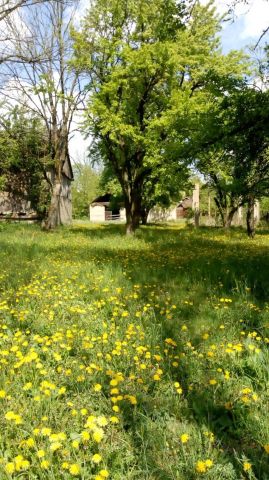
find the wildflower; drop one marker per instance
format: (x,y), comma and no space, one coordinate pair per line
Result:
(10,468)
(2,394)
(266,448)
(102,421)
(45,464)
(184,438)
(74,469)
(104,473)
(96,458)
(114,419)
(247,466)
(40,453)
(85,435)
(55,446)
(97,387)
(212,381)
(200,467)
(97,435)
(30,442)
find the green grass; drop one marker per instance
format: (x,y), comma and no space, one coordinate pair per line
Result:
(119,346)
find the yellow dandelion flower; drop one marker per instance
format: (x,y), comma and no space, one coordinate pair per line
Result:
(104,473)
(247,466)
(97,436)
(114,419)
(97,387)
(184,438)
(10,468)
(212,381)
(200,467)
(96,458)
(74,469)
(40,453)
(45,464)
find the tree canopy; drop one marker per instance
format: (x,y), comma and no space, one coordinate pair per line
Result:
(150,67)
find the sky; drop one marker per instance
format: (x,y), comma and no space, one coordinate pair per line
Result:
(243,30)
(247,24)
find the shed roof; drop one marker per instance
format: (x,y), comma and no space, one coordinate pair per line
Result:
(186,202)
(102,200)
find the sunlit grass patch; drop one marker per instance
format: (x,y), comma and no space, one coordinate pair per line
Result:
(142,358)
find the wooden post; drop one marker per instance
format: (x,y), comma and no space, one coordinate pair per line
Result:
(196,204)
(257,214)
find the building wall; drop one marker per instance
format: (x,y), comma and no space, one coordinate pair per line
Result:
(97,213)
(123,214)
(13,204)
(158,214)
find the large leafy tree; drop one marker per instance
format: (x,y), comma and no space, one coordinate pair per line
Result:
(149,63)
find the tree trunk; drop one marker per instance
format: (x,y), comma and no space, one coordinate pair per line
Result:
(220,209)
(53,218)
(197,218)
(229,217)
(133,212)
(144,215)
(250,217)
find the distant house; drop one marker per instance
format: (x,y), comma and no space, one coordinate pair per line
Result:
(175,212)
(101,210)
(14,201)
(184,207)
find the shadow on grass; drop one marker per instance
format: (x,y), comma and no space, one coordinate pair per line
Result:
(199,263)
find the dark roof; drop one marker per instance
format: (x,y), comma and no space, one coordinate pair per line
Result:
(102,199)
(186,202)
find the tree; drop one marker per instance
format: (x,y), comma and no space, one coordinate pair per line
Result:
(44,83)
(84,188)
(7,6)
(24,157)
(147,63)
(234,152)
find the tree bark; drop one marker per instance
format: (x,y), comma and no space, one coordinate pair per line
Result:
(229,217)
(220,209)
(197,218)
(250,217)
(133,212)
(144,216)
(53,218)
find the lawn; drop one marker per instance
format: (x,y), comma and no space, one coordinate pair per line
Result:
(139,358)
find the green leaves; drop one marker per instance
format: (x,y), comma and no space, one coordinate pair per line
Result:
(153,67)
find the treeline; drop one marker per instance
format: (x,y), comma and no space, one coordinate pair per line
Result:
(158,97)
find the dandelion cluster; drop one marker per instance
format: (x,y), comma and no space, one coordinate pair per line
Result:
(108,371)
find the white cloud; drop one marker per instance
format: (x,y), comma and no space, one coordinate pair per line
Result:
(254,17)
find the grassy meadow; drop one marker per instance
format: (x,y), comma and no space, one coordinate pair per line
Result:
(139,358)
